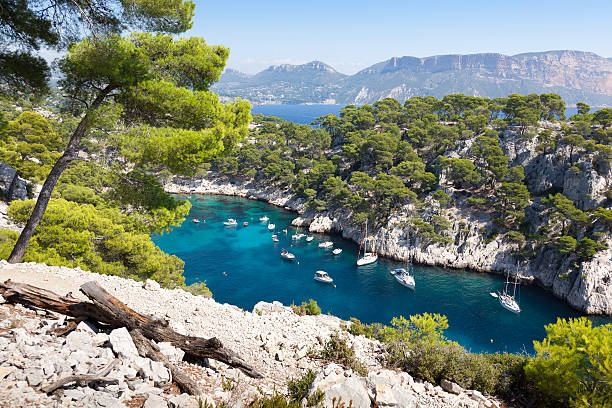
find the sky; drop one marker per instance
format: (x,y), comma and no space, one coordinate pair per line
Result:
(352,35)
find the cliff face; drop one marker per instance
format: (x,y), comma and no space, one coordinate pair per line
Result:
(587,288)
(576,75)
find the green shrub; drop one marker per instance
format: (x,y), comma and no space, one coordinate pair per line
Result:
(307,308)
(515,236)
(336,350)
(573,365)
(298,389)
(199,289)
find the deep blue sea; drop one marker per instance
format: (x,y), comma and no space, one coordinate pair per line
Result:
(242,266)
(306,114)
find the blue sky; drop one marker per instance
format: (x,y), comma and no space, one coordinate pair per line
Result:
(351,35)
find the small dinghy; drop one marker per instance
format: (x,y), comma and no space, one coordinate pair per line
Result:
(230,222)
(326,244)
(271,226)
(287,255)
(322,276)
(245,223)
(337,251)
(195,220)
(274,238)
(309,238)
(264,218)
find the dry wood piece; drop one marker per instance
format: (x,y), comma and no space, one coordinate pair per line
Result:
(15,292)
(86,378)
(110,311)
(158,329)
(149,350)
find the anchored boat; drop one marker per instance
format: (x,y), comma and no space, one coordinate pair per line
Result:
(368,257)
(322,276)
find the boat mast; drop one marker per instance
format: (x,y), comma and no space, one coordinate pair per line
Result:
(365,239)
(515,282)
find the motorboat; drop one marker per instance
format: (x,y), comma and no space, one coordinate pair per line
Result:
(271,226)
(264,218)
(274,238)
(309,238)
(404,278)
(337,251)
(287,255)
(195,220)
(245,223)
(326,244)
(368,257)
(297,237)
(230,222)
(322,276)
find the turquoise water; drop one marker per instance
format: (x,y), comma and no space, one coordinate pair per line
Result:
(254,271)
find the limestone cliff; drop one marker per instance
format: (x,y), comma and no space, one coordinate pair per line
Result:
(586,286)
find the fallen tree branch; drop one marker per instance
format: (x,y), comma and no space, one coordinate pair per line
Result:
(110,311)
(85,378)
(158,329)
(149,350)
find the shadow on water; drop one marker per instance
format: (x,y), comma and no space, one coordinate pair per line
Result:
(255,271)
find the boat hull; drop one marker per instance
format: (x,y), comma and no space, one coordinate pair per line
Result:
(406,282)
(367,259)
(510,305)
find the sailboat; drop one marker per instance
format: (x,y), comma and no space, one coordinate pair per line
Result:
(508,301)
(368,257)
(405,276)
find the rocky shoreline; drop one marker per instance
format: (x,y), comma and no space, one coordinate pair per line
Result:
(272,338)
(588,291)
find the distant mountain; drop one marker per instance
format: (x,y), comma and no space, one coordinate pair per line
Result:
(575,75)
(281,83)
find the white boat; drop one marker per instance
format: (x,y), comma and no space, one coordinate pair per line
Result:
(264,218)
(404,278)
(195,220)
(322,276)
(508,301)
(326,244)
(297,237)
(287,255)
(337,251)
(368,257)
(274,238)
(230,221)
(271,226)
(309,238)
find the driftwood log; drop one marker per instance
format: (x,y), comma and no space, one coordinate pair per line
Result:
(85,378)
(110,311)
(149,350)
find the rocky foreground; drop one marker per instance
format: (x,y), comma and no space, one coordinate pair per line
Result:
(272,338)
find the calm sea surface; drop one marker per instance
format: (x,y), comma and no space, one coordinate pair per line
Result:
(306,114)
(242,266)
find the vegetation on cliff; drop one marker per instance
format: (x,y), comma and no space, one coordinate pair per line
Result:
(571,367)
(427,155)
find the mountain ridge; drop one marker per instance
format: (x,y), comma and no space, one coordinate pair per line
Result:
(578,76)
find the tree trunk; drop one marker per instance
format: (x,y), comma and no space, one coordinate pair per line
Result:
(110,311)
(149,350)
(11,190)
(45,194)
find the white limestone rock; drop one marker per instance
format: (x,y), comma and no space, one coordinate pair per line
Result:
(122,343)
